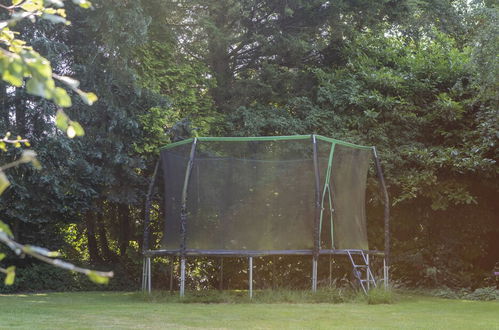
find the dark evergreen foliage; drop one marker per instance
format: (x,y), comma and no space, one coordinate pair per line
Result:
(416,79)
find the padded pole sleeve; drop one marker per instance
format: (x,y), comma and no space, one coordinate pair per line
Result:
(147,210)
(317,199)
(386,205)
(183,210)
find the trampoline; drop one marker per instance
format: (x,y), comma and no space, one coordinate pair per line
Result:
(260,196)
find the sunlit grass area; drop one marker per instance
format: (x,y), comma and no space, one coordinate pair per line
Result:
(133,310)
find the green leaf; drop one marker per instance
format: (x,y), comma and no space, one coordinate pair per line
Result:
(56,3)
(36,164)
(40,66)
(61,120)
(73,83)
(4,182)
(36,87)
(13,73)
(6,229)
(79,131)
(71,132)
(16,2)
(28,156)
(88,98)
(32,6)
(2,256)
(83,3)
(61,97)
(55,18)
(96,278)
(11,275)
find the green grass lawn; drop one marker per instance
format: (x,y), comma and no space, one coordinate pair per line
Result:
(131,310)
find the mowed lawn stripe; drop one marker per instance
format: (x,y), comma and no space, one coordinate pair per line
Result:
(86,310)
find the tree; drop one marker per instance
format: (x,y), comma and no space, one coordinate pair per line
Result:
(416,79)
(20,61)
(398,77)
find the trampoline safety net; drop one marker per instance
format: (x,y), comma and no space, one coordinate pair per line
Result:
(266,193)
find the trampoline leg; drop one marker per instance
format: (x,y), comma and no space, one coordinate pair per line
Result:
(367,273)
(330,270)
(143,282)
(182,276)
(149,275)
(385,274)
(314,274)
(221,283)
(172,260)
(250,272)
(274,258)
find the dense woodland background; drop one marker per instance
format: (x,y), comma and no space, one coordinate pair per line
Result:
(418,79)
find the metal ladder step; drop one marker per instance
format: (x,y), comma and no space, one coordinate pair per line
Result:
(369,277)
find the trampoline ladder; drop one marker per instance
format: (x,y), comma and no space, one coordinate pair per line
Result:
(362,271)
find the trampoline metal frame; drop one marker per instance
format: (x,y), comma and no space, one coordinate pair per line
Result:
(184,252)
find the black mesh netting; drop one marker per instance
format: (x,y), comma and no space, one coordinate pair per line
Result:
(348,181)
(173,164)
(260,195)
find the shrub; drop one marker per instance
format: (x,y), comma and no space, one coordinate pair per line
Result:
(379,295)
(40,277)
(484,294)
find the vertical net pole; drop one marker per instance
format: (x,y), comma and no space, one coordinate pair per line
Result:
(183,217)
(147,209)
(386,214)
(327,189)
(250,272)
(317,215)
(147,225)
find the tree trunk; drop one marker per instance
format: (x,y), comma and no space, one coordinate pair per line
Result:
(93,250)
(218,57)
(103,242)
(20,114)
(124,233)
(5,108)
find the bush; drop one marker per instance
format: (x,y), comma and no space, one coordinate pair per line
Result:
(37,276)
(484,294)
(379,295)
(40,277)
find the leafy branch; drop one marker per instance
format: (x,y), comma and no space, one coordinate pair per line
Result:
(28,156)
(45,256)
(16,143)
(7,238)
(20,62)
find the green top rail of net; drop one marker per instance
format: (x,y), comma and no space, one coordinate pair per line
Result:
(265,138)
